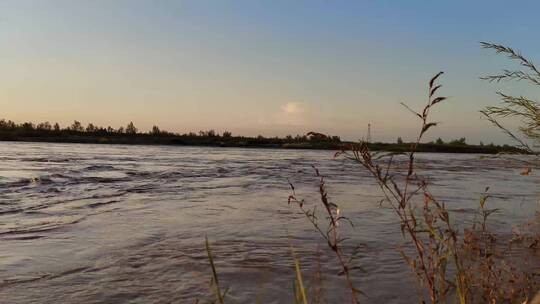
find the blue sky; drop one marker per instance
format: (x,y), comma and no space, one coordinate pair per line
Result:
(260,67)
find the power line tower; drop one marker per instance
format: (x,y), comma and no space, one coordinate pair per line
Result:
(368,137)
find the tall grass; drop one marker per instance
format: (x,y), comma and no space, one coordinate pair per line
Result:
(452,265)
(429,229)
(299,289)
(527,110)
(215,281)
(331,233)
(447,262)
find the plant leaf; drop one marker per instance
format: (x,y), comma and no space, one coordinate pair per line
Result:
(434,78)
(437,100)
(428,125)
(433,90)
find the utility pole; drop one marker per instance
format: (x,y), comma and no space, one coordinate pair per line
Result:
(368,137)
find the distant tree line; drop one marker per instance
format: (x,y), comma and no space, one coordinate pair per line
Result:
(75,127)
(77,132)
(130,134)
(454,142)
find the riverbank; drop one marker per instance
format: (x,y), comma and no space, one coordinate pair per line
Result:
(246,142)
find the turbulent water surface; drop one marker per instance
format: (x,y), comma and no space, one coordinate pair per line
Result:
(126,224)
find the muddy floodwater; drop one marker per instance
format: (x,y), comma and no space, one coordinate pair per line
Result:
(126,224)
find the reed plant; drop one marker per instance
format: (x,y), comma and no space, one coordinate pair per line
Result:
(214,283)
(452,265)
(426,225)
(523,108)
(448,263)
(330,234)
(495,274)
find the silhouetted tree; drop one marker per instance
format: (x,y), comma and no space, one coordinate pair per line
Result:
(399,141)
(299,138)
(315,136)
(458,142)
(131,129)
(44,126)
(155,130)
(91,128)
(56,127)
(76,126)
(227,134)
(28,126)
(439,141)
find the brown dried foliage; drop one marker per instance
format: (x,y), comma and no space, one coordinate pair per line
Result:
(445,263)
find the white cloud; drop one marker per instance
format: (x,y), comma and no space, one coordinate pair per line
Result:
(291,114)
(292,108)
(288,114)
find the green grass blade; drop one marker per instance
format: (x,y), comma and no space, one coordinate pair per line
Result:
(214,272)
(300,283)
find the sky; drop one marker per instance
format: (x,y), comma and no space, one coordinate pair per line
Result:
(261,67)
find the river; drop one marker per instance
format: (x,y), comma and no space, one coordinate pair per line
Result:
(126,224)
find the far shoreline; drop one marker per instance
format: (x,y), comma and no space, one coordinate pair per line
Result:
(254,143)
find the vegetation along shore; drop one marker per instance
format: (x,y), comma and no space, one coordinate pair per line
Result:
(77,133)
